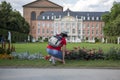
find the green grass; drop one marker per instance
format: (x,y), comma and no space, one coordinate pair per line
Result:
(69,64)
(41,47)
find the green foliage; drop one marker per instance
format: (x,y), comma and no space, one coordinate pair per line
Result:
(12,20)
(97,40)
(113,54)
(112,39)
(46,40)
(15,36)
(112,21)
(2,50)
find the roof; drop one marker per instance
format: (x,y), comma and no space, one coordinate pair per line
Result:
(77,14)
(42,3)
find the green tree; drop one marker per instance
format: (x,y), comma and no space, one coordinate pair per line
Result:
(4,14)
(12,19)
(112,21)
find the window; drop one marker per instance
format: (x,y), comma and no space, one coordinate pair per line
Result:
(93,18)
(79,31)
(76,17)
(97,18)
(43,17)
(79,25)
(62,24)
(47,30)
(38,30)
(92,25)
(73,30)
(83,31)
(101,18)
(48,17)
(33,16)
(97,25)
(88,32)
(39,25)
(48,25)
(92,38)
(73,25)
(52,17)
(56,24)
(84,25)
(43,24)
(96,32)
(92,31)
(88,25)
(88,18)
(84,18)
(60,16)
(42,30)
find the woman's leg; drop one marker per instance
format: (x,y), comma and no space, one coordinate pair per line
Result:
(57,55)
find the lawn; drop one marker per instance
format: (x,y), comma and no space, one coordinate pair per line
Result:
(41,47)
(15,63)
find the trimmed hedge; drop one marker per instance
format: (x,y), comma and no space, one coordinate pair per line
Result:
(15,36)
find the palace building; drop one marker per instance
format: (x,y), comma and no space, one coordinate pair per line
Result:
(47,18)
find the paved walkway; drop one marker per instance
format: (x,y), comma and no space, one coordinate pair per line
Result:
(59,74)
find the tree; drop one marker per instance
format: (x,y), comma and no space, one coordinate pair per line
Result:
(12,19)
(4,14)
(112,21)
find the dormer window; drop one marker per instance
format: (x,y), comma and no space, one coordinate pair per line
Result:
(84,18)
(48,17)
(76,16)
(97,18)
(93,18)
(43,17)
(101,18)
(52,17)
(88,18)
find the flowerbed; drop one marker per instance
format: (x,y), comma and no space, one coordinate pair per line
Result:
(92,54)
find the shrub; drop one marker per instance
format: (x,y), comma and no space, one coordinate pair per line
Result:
(2,50)
(46,40)
(97,40)
(113,54)
(16,36)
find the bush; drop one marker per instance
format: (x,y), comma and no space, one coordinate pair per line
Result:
(2,50)
(15,36)
(97,40)
(46,40)
(113,54)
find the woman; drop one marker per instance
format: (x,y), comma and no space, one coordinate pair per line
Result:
(58,53)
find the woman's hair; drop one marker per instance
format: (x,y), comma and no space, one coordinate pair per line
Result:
(64,35)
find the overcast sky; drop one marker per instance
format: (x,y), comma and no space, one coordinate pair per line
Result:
(74,5)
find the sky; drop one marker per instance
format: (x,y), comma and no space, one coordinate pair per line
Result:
(74,5)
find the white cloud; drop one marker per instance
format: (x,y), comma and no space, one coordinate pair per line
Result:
(76,5)
(17,4)
(91,5)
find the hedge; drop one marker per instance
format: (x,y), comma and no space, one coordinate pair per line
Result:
(15,36)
